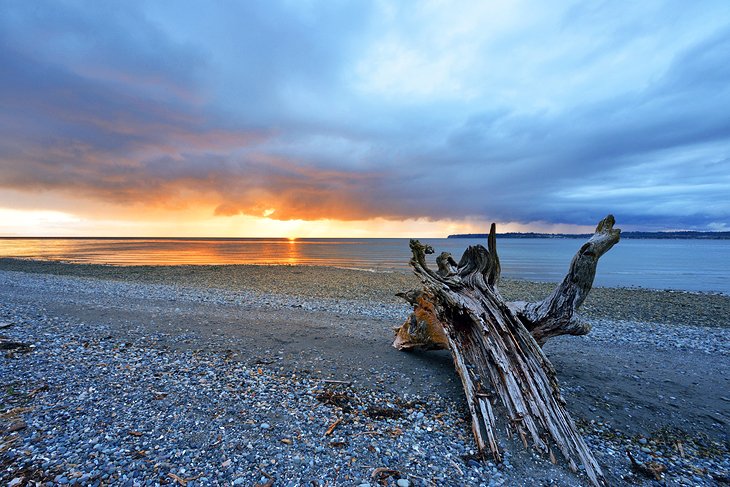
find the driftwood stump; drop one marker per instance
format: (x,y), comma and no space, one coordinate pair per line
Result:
(496,345)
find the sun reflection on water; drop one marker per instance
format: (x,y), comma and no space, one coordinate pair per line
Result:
(294,254)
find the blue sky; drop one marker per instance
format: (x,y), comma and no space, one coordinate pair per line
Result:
(229,115)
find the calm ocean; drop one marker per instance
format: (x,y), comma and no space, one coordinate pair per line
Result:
(693,265)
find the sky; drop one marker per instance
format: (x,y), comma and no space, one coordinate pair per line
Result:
(303,118)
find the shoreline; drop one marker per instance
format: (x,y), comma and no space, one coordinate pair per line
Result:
(101,270)
(695,308)
(237,348)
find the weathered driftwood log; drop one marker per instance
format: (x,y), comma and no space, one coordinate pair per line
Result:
(553,316)
(496,345)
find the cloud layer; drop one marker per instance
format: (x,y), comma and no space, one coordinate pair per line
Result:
(308,110)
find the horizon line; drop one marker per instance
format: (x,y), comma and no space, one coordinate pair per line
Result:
(475,235)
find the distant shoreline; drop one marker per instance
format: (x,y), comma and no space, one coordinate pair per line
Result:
(688,235)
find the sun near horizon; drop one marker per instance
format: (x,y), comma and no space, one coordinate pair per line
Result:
(46,223)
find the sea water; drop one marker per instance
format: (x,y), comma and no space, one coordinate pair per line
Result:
(690,265)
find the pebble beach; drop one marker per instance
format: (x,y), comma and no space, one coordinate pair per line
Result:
(284,375)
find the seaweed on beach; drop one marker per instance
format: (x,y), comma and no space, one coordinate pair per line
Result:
(377,412)
(698,444)
(340,400)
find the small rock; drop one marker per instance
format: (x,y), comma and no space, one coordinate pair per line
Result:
(403,483)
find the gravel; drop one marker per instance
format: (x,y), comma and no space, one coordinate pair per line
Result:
(100,411)
(316,284)
(84,407)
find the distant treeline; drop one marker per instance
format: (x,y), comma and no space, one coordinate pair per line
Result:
(662,235)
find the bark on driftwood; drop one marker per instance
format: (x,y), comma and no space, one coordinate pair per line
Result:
(496,345)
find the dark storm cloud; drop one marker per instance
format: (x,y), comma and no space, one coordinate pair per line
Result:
(313,110)
(658,156)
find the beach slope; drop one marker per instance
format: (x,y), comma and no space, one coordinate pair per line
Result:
(234,375)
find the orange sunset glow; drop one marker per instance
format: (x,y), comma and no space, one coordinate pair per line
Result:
(199,223)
